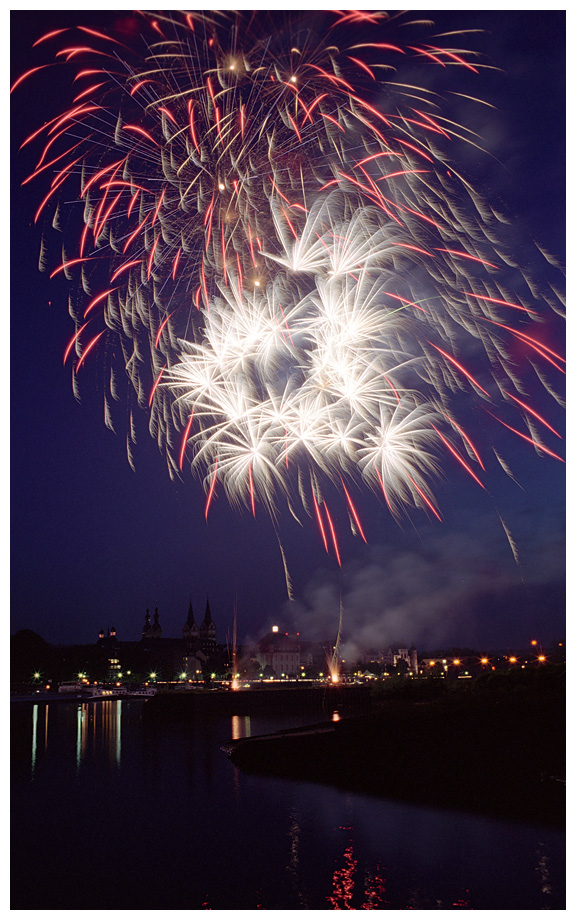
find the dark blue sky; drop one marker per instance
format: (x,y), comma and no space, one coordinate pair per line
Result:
(94,544)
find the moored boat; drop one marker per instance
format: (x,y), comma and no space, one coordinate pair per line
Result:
(74,687)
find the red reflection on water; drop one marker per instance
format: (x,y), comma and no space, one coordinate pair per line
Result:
(345,888)
(463,903)
(374,890)
(343,882)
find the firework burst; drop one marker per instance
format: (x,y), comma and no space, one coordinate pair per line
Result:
(273,244)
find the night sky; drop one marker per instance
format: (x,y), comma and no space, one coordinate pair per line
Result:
(93,543)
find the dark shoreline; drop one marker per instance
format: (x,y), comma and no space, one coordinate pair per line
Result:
(496,749)
(501,759)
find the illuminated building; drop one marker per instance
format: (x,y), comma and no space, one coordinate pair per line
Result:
(279,654)
(393,656)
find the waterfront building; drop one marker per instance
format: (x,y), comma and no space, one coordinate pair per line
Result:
(278,654)
(109,644)
(167,657)
(393,656)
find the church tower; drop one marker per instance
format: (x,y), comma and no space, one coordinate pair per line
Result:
(147,628)
(208,632)
(156,628)
(190,632)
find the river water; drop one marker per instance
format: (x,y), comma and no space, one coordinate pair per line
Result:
(109,812)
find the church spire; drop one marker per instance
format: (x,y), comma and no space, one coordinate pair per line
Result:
(208,632)
(190,630)
(156,628)
(147,628)
(208,621)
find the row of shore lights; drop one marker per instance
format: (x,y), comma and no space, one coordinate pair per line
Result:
(455,661)
(512,659)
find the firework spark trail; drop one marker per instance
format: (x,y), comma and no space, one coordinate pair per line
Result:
(298,284)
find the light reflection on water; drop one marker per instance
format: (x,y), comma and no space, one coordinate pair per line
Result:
(240,727)
(98,727)
(182,828)
(34,735)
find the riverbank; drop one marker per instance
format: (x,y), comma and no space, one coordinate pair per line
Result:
(498,749)
(52,696)
(282,698)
